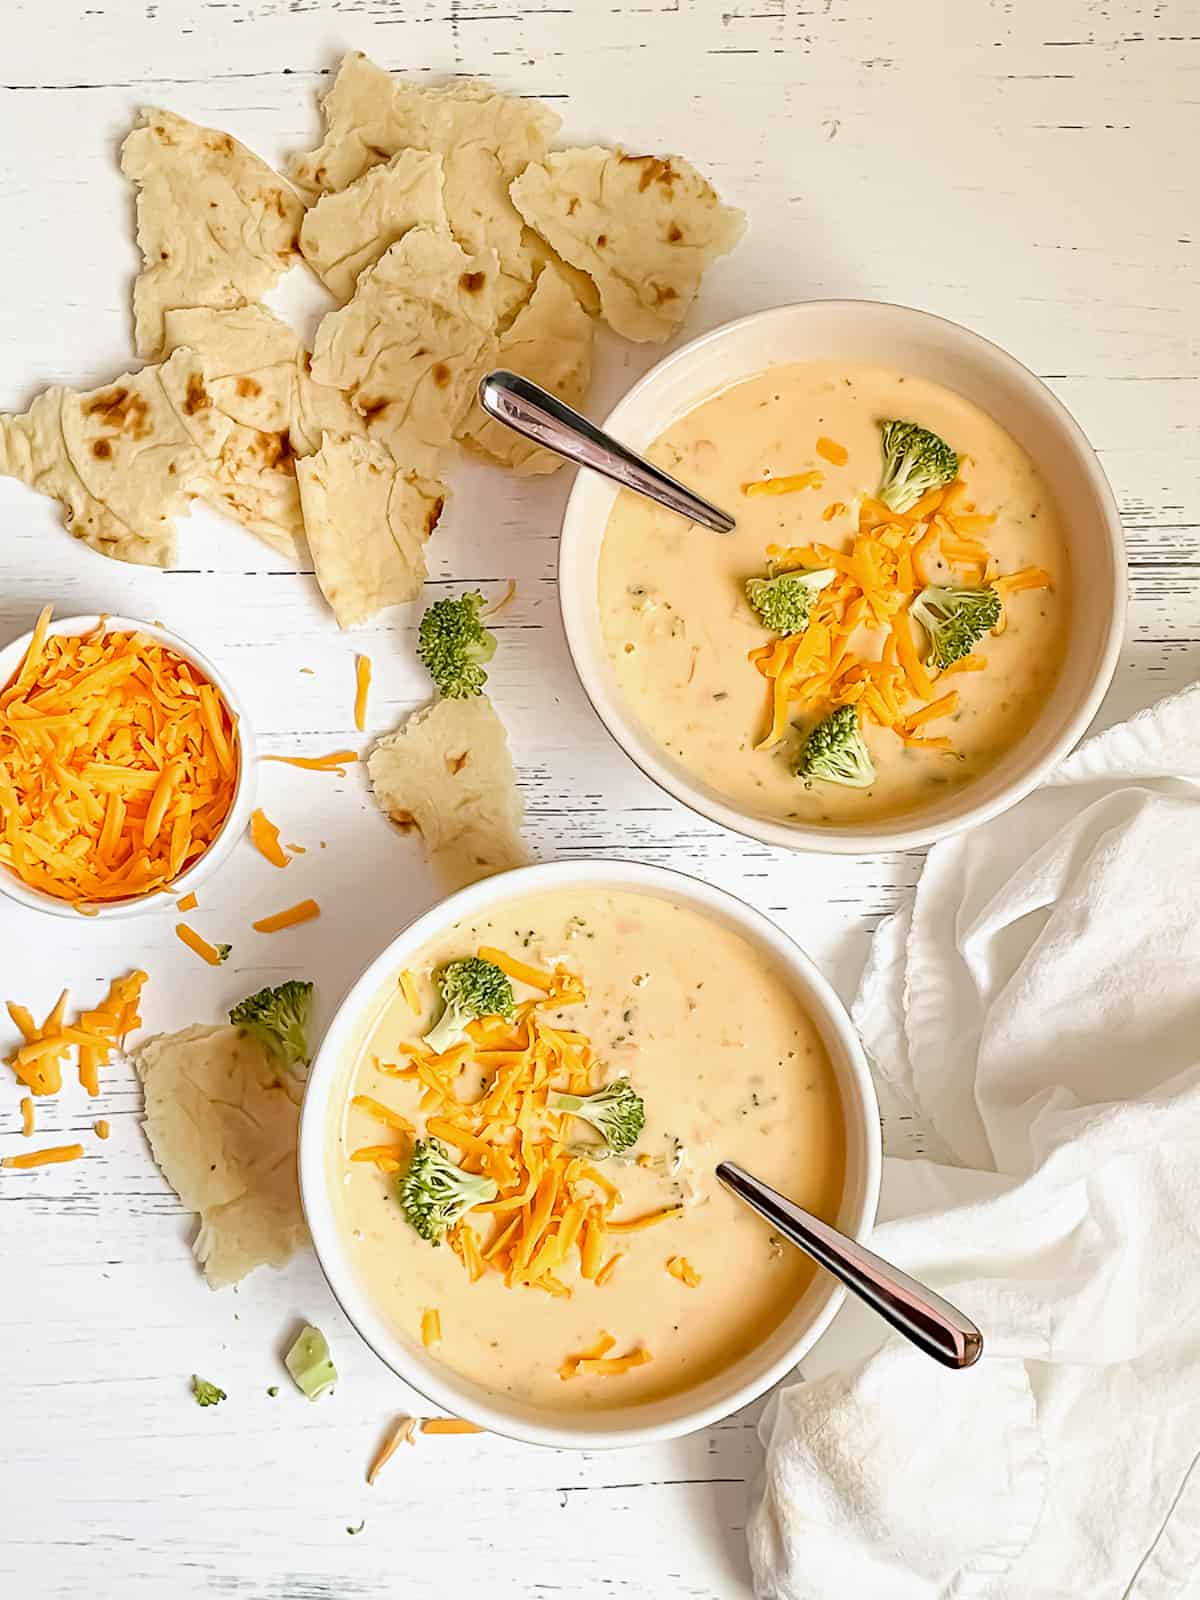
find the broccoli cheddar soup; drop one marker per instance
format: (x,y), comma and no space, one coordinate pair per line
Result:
(524,1162)
(884,624)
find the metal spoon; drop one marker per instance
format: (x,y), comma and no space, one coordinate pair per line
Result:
(538,415)
(922,1316)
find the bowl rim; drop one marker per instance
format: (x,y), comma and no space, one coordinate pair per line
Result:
(439,1384)
(908,832)
(243,794)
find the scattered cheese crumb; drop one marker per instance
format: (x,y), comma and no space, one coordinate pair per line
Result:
(214,954)
(404,1432)
(102,1128)
(362,684)
(303,911)
(264,835)
(836,454)
(44,1158)
(680,1267)
(431,1327)
(336,761)
(27,1116)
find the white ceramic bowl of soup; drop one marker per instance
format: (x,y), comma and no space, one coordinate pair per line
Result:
(241,805)
(396,1340)
(940,353)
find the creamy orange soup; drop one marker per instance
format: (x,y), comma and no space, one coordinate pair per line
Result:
(679,630)
(729,1066)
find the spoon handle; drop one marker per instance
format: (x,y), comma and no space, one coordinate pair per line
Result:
(922,1316)
(538,415)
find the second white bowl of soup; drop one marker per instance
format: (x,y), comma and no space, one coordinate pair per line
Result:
(589,1295)
(963,573)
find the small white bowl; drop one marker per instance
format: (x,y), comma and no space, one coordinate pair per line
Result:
(243,797)
(667,1418)
(928,347)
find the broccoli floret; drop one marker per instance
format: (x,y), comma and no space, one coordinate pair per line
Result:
(955,620)
(471,988)
(207,1394)
(914,462)
(453,644)
(617,1111)
(278,1018)
(784,603)
(434,1193)
(836,752)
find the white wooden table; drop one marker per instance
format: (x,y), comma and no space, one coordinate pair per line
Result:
(1028,170)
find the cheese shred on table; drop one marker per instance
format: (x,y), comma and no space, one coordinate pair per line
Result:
(303,911)
(95,1034)
(44,1158)
(118,764)
(264,836)
(362,685)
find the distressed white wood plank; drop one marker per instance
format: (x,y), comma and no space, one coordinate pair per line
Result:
(1022,169)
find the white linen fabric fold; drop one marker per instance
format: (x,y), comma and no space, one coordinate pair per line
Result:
(1039,1005)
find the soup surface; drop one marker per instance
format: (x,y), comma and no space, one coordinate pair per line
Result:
(729,1066)
(679,630)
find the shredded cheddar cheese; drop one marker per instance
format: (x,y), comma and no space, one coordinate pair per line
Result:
(431,1326)
(102,1128)
(27,1122)
(680,1267)
(362,685)
(118,766)
(382,1113)
(650,1220)
(39,1061)
(787,485)
(450,1425)
(554,1220)
(860,647)
(264,835)
(44,1158)
(403,1432)
(195,941)
(612,1366)
(187,902)
(829,450)
(336,761)
(609,1267)
(303,911)
(408,988)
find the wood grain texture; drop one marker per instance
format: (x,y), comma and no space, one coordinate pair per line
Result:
(1024,169)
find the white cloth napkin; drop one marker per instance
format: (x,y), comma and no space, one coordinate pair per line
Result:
(1039,1005)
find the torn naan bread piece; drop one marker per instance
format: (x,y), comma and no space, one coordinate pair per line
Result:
(260,375)
(222,1127)
(550,341)
(123,460)
(644,228)
(367,522)
(485,139)
(251,361)
(448,773)
(346,232)
(410,347)
(318,409)
(215,225)
(249,358)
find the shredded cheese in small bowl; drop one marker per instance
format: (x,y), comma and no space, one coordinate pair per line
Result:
(126,767)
